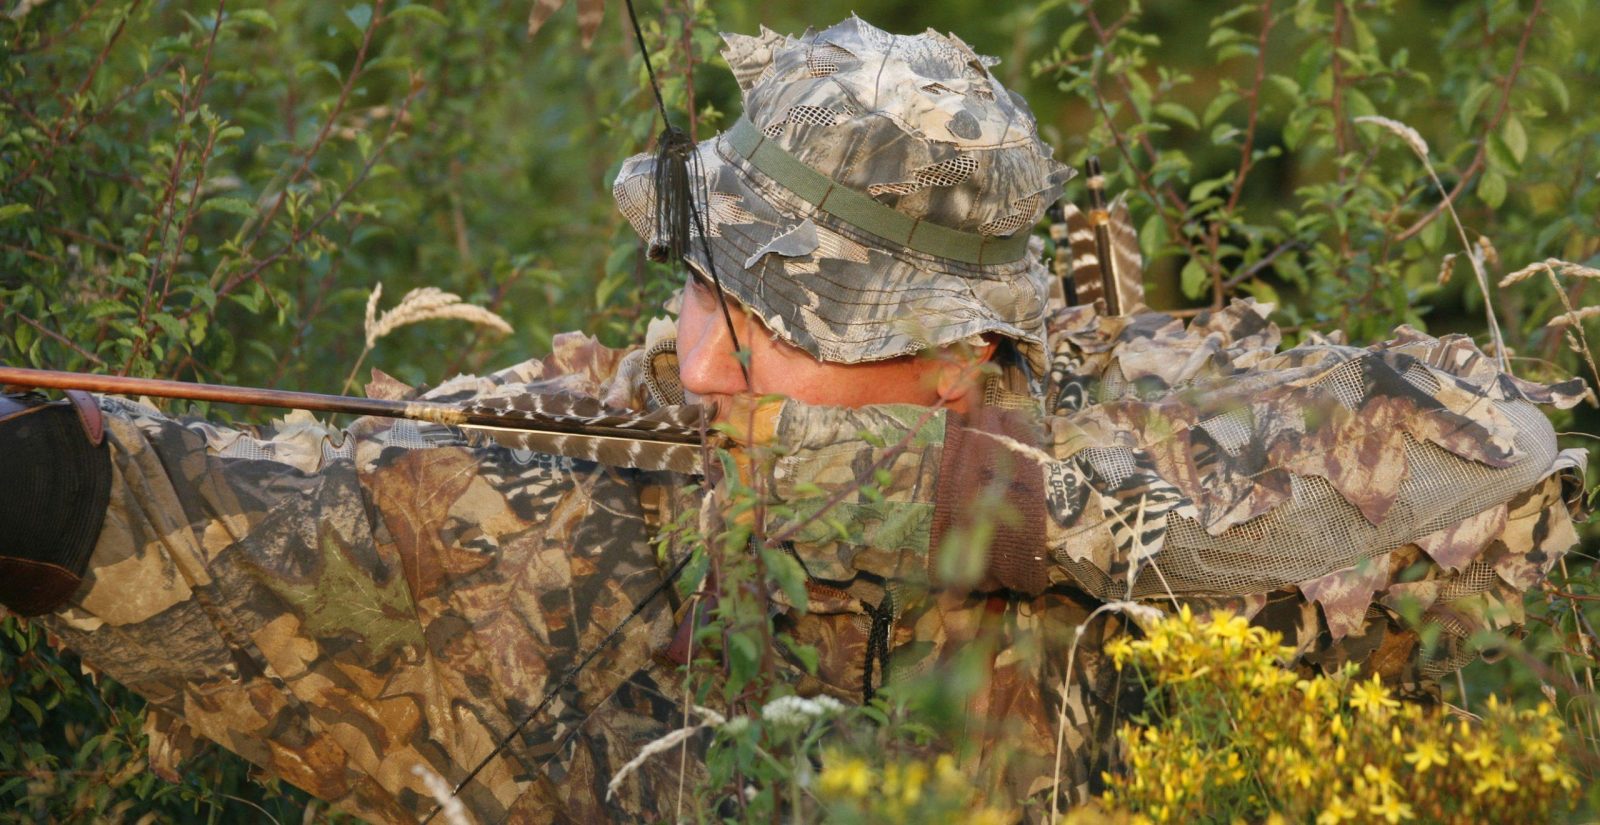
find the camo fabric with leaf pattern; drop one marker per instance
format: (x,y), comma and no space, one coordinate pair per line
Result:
(339,607)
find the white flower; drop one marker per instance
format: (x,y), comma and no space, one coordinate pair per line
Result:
(797,711)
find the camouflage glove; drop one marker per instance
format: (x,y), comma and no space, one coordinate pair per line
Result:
(53,496)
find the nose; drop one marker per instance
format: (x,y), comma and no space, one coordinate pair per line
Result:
(707,363)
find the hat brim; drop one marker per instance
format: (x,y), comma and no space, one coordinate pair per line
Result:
(842,294)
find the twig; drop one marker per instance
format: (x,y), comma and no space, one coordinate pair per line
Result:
(1478,158)
(327,125)
(53,142)
(233,282)
(1266,261)
(59,338)
(1219,286)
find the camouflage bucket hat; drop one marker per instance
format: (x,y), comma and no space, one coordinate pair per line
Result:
(875,199)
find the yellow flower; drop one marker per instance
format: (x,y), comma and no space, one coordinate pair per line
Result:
(1158,646)
(1426,755)
(1482,752)
(849,776)
(1230,628)
(1120,650)
(911,782)
(1303,772)
(1392,810)
(1336,812)
(1557,774)
(1494,780)
(1372,697)
(1379,777)
(989,816)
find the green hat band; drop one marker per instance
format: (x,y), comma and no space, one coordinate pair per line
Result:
(866,214)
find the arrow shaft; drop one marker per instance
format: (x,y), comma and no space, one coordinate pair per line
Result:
(286,399)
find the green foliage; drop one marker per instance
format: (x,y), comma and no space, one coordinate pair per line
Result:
(208,191)
(1251,174)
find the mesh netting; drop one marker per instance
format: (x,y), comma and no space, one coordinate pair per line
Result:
(823,59)
(812,115)
(1005,225)
(944,173)
(1318,531)
(635,196)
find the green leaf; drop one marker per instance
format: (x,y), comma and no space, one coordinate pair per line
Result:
(1203,189)
(1472,103)
(788,573)
(169,325)
(1285,84)
(1194,279)
(426,13)
(1516,138)
(1218,105)
(233,206)
(1298,127)
(12,210)
(31,707)
(806,654)
(255,17)
(1152,235)
(1432,235)
(359,15)
(1179,113)
(1357,104)
(1492,189)
(1553,84)
(961,559)
(1501,158)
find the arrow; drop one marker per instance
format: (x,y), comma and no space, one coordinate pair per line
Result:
(574,426)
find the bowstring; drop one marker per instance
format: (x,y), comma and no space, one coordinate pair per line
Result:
(672,576)
(693,162)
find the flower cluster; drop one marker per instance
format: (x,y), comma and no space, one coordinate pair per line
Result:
(1232,733)
(913,790)
(798,711)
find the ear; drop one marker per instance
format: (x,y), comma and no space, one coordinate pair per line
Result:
(960,373)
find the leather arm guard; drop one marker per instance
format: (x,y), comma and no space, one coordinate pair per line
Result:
(55,482)
(976,456)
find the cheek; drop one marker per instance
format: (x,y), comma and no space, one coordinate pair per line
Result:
(783,370)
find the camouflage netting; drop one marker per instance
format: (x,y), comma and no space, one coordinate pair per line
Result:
(1325,467)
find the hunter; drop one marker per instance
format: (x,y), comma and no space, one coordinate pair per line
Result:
(341,606)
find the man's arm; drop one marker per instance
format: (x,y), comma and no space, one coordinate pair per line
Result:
(342,606)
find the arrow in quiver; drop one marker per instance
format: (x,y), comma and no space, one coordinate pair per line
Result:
(1104,234)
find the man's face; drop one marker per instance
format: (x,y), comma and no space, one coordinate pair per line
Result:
(711,375)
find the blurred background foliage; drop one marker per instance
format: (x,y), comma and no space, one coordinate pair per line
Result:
(210,191)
